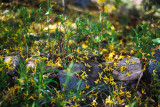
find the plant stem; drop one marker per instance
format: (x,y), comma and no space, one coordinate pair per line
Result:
(102,21)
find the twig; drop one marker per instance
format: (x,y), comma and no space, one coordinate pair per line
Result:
(63,3)
(139,79)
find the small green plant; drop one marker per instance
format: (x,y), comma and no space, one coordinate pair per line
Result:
(143,41)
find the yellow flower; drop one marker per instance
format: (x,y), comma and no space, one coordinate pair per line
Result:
(115,65)
(101,1)
(84,46)
(121,42)
(111,55)
(132,62)
(45,76)
(128,94)
(110,69)
(77,60)
(122,93)
(128,73)
(86,41)
(1,69)
(75,105)
(154,72)
(85,57)
(106,79)
(58,64)
(84,75)
(127,61)
(40,95)
(123,68)
(80,58)
(87,65)
(104,70)
(96,81)
(113,28)
(81,92)
(77,74)
(71,42)
(111,80)
(143,91)
(100,65)
(87,86)
(94,102)
(127,27)
(74,97)
(53,101)
(59,95)
(105,8)
(121,101)
(31,97)
(100,75)
(122,87)
(103,51)
(108,100)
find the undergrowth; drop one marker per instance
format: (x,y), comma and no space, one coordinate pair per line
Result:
(57,40)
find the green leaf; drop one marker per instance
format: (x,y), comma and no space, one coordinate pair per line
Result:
(157,40)
(2,65)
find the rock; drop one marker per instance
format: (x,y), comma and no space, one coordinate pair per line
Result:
(157,55)
(31,62)
(153,64)
(13,62)
(74,83)
(82,3)
(128,69)
(91,68)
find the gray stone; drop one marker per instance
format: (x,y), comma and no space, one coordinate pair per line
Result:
(81,3)
(154,64)
(31,62)
(13,62)
(73,83)
(92,69)
(131,66)
(157,55)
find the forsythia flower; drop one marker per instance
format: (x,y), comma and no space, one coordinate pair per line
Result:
(87,65)
(84,75)
(105,8)
(143,91)
(101,1)
(74,97)
(96,81)
(94,102)
(84,46)
(123,68)
(87,86)
(100,75)
(113,28)
(128,73)
(108,100)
